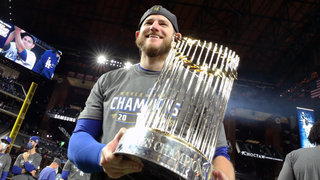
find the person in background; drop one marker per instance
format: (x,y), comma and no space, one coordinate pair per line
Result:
(303,163)
(71,172)
(24,167)
(104,119)
(50,172)
(5,159)
(20,50)
(47,63)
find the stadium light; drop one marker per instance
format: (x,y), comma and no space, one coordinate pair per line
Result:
(127,65)
(102,59)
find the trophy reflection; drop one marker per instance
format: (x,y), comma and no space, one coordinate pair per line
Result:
(177,130)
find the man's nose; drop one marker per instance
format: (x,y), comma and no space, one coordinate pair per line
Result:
(154,26)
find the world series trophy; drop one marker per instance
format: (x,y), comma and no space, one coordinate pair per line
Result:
(177,130)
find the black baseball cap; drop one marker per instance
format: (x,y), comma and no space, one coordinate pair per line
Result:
(157,9)
(58,161)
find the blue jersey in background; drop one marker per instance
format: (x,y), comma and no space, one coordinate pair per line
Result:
(47,64)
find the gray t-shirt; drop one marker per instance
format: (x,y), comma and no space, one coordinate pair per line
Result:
(116,99)
(34,159)
(301,164)
(5,163)
(74,172)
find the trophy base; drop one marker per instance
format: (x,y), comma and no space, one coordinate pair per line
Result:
(163,157)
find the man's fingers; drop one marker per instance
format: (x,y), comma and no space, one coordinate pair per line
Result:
(116,172)
(135,159)
(116,165)
(130,165)
(218,175)
(120,134)
(108,157)
(116,175)
(124,165)
(114,143)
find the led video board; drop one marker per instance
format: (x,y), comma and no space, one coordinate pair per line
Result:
(27,50)
(305,122)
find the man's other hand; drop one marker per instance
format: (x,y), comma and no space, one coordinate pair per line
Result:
(25,155)
(115,165)
(33,172)
(218,175)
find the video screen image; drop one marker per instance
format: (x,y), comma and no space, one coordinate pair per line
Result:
(27,50)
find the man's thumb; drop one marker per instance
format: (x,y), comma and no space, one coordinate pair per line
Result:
(120,134)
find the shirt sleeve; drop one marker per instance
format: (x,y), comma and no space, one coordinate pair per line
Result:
(222,151)
(8,164)
(65,174)
(28,166)
(94,103)
(16,170)
(86,156)
(286,172)
(4,175)
(17,162)
(222,140)
(67,166)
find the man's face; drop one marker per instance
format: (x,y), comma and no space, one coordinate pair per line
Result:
(33,143)
(27,42)
(155,36)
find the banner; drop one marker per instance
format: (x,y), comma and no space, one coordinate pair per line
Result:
(305,122)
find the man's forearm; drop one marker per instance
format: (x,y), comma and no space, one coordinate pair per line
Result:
(224,165)
(10,38)
(18,41)
(23,171)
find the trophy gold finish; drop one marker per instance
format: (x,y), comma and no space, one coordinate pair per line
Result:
(177,130)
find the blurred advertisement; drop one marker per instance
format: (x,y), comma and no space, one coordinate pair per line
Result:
(305,121)
(27,50)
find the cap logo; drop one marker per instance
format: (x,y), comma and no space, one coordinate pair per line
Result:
(156,8)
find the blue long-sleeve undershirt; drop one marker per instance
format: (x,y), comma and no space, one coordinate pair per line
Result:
(84,150)
(28,166)
(222,151)
(64,175)
(16,170)
(4,175)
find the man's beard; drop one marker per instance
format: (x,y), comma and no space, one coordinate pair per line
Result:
(151,50)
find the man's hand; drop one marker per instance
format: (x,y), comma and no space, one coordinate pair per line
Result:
(114,165)
(33,172)
(218,175)
(223,169)
(25,156)
(19,29)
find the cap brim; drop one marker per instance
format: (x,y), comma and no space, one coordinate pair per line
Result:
(5,140)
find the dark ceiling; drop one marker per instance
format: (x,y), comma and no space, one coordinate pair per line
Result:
(277,40)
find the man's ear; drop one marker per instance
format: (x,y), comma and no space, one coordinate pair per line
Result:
(137,33)
(178,36)
(32,46)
